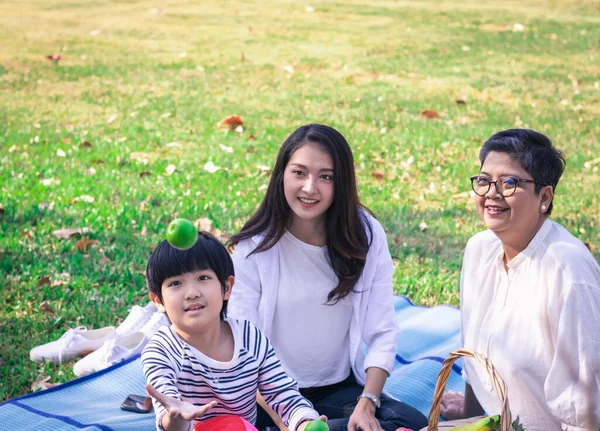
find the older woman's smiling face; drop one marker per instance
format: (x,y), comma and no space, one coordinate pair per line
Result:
(515,218)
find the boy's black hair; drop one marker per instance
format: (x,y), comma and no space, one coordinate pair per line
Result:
(208,253)
(533,151)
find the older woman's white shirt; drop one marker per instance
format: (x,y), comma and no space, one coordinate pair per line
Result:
(539,324)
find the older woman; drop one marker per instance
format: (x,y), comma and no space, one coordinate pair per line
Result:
(530,294)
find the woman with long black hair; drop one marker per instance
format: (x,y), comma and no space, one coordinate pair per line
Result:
(314,273)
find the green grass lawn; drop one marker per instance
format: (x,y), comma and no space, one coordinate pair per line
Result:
(144,88)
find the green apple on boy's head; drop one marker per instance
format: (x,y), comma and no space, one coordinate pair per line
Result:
(182,234)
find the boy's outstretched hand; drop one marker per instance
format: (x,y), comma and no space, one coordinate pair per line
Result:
(179,413)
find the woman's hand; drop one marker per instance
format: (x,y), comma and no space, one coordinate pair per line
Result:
(179,413)
(363,417)
(453,406)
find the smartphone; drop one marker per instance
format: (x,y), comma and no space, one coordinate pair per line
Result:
(137,404)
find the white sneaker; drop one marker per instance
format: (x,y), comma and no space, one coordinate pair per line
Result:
(157,320)
(75,342)
(138,316)
(111,352)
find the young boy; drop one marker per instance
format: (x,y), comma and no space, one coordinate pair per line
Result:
(205,365)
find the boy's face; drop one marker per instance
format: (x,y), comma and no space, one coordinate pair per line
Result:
(193,300)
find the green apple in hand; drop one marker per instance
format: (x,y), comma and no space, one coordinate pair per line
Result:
(182,234)
(317,425)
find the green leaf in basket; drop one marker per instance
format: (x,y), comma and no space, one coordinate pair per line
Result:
(515,426)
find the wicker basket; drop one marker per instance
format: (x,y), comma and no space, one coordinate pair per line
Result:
(499,386)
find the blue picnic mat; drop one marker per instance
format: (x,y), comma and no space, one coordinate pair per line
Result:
(93,402)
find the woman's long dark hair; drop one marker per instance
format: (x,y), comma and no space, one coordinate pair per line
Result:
(346,224)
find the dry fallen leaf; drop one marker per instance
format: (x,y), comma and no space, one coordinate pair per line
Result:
(83,244)
(44,281)
(591,163)
(84,198)
(86,144)
(55,58)
(251,138)
(232,122)
(140,157)
(226,148)
(206,224)
(210,167)
(42,383)
(50,181)
(495,27)
(170,170)
(69,232)
(377,175)
(103,260)
(221,236)
(43,206)
(46,307)
(144,203)
(427,113)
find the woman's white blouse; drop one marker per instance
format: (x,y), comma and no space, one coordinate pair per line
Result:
(373,322)
(539,324)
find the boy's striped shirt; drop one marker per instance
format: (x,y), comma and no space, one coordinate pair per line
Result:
(179,370)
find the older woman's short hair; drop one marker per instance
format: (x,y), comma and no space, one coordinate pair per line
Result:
(533,151)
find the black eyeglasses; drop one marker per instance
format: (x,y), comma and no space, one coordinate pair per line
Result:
(505,185)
